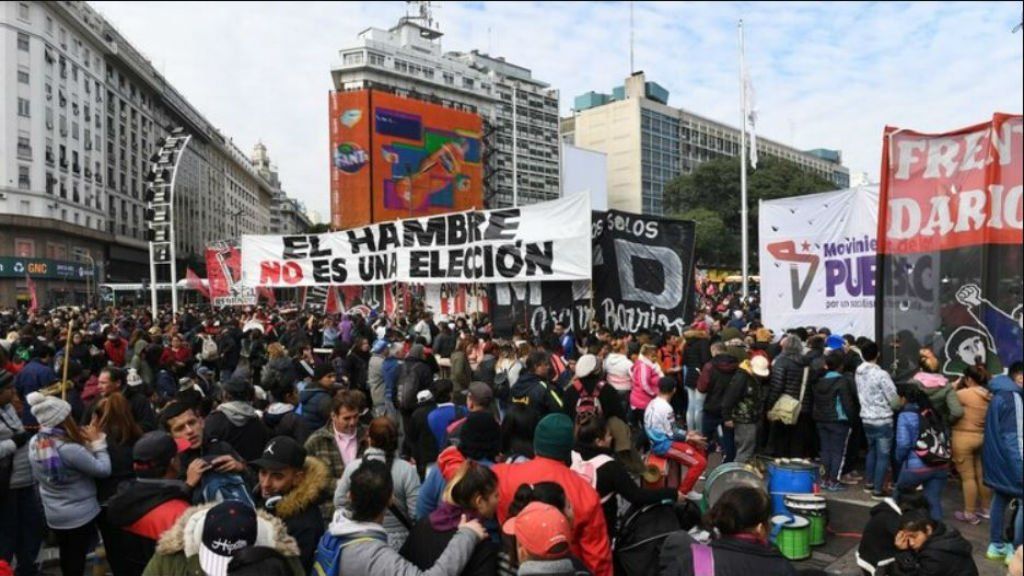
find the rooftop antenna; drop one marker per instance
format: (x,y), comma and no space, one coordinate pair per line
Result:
(631,67)
(424,17)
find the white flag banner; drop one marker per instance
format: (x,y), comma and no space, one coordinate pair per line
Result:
(817,256)
(750,98)
(546,241)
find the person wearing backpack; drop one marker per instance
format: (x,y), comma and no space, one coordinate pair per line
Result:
(589,394)
(740,522)
(594,459)
(922,449)
(356,542)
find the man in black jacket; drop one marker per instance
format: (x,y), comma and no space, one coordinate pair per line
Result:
(532,388)
(292,486)
(144,508)
(715,381)
(236,422)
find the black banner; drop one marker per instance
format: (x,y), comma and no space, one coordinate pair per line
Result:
(642,280)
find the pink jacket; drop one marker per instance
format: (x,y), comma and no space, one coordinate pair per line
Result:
(645,383)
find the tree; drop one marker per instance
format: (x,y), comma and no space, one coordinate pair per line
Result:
(711,231)
(321,228)
(715,186)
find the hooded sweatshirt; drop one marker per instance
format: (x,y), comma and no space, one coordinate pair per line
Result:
(282,420)
(406,484)
(432,534)
(367,553)
(877,394)
(714,381)
(945,553)
(238,424)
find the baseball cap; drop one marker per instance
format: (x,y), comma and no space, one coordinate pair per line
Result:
(379,346)
(481,393)
(155,449)
(229,527)
(586,365)
(280,453)
(542,530)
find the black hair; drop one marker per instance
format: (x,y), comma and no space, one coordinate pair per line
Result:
(835,360)
(666,384)
(590,428)
(116,374)
(914,394)
(370,491)
(869,350)
(977,374)
(173,410)
(550,493)
(259,561)
(1016,369)
(917,521)
(739,510)
(535,359)
(517,430)
(471,479)
(911,499)
(442,390)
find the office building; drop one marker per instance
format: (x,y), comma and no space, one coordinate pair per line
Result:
(83,112)
(407,59)
(648,143)
(287,215)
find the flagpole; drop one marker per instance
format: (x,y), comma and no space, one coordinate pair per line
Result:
(743,167)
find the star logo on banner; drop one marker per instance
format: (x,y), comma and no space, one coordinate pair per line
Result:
(806,246)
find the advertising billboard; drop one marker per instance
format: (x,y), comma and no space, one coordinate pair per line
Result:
(394,158)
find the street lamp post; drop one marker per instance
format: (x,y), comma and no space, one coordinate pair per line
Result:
(160,212)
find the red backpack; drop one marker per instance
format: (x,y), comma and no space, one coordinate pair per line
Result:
(588,402)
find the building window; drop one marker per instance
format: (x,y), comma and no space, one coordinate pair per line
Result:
(376,59)
(23,76)
(449,78)
(24,248)
(352,58)
(24,147)
(22,41)
(467,82)
(23,108)
(24,180)
(49,26)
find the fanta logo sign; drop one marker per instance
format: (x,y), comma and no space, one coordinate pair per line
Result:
(350,158)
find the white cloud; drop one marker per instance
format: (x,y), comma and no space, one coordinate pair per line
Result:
(827,74)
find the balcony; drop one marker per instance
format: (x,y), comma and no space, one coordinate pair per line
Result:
(24,152)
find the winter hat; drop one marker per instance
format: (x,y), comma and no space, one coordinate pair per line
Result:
(763,336)
(760,367)
(730,334)
(553,437)
(480,437)
(379,346)
(133,379)
(586,365)
(50,411)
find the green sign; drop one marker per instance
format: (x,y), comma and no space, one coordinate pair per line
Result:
(43,269)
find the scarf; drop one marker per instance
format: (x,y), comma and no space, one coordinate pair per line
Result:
(44,451)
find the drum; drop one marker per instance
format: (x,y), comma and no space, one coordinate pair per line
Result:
(793,537)
(729,476)
(813,508)
(790,477)
(660,472)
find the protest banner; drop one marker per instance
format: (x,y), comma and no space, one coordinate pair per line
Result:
(817,260)
(642,280)
(951,231)
(546,241)
(223,273)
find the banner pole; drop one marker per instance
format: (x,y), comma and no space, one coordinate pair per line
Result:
(67,356)
(743,170)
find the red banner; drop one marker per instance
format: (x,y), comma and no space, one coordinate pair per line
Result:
(952,190)
(194,282)
(224,273)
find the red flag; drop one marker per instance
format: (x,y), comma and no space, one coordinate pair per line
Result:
(268,294)
(332,301)
(193,281)
(34,306)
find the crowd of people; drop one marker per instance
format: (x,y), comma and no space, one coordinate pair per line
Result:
(281,442)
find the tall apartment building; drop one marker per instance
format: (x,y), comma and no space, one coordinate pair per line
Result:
(83,111)
(407,60)
(287,215)
(648,143)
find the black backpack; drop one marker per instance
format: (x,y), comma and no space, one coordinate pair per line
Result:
(643,531)
(932,445)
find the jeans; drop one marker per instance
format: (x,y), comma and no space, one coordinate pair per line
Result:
(879,451)
(746,442)
(694,409)
(21,529)
(998,521)
(834,436)
(932,479)
(713,425)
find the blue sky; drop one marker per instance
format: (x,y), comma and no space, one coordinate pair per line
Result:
(827,74)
